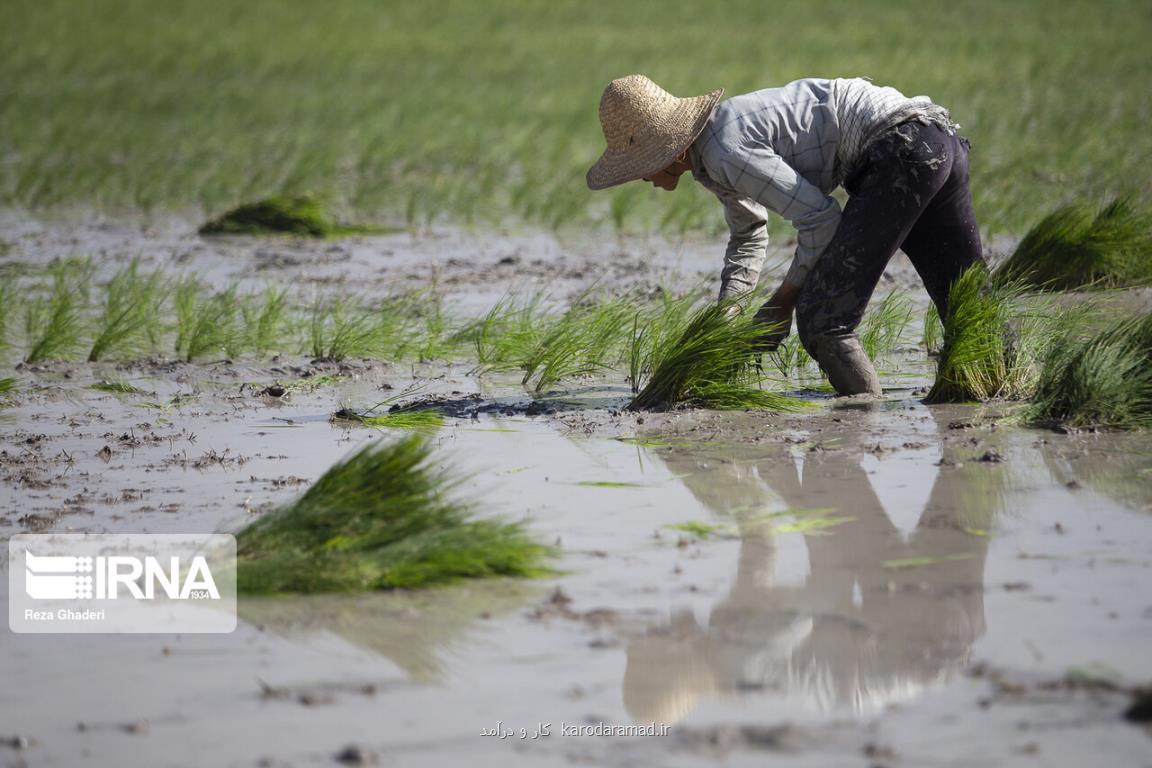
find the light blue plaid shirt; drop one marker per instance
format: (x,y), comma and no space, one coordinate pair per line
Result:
(785,150)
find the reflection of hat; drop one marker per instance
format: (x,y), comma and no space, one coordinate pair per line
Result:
(646,129)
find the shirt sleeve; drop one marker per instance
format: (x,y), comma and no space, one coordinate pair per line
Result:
(763,176)
(747,245)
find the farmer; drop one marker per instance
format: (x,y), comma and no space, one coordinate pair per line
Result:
(786,149)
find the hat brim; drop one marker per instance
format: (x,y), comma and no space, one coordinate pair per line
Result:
(638,161)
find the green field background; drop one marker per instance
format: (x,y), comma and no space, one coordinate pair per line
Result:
(485,112)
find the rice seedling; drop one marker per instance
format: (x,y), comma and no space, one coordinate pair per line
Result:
(583,341)
(7,386)
(399,418)
(933,332)
(264,321)
(1079,247)
(129,323)
(653,328)
(882,330)
(705,361)
(380,519)
(979,359)
(53,324)
(342,327)
(301,215)
(505,334)
(1103,378)
(205,323)
(116,387)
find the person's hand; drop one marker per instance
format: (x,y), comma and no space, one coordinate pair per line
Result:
(776,322)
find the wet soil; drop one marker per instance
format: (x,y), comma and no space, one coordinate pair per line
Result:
(867,583)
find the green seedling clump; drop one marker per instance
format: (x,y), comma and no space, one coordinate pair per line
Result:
(705,360)
(506,334)
(399,418)
(206,323)
(1102,379)
(284,214)
(129,324)
(342,327)
(882,329)
(1080,247)
(979,358)
(380,519)
(584,341)
(265,321)
(53,324)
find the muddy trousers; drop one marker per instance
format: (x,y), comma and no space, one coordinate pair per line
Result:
(912,193)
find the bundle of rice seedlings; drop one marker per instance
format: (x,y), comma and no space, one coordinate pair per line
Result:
(205,323)
(979,359)
(129,323)
(583,341)
(1079,247)
(1099,379)
(396,418)
(53,324)
(380,519)
(654,328)
(705,361)
(283,214)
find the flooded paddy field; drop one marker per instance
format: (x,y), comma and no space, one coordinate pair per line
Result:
(858,584)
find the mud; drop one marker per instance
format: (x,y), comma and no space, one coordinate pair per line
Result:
(868,583)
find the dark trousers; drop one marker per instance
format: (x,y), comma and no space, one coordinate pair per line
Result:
(912,194)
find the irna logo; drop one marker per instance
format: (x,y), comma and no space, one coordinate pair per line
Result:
(122,582)
(62,577)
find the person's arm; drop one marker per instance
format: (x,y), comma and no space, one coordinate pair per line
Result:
(763,176)
(747,246)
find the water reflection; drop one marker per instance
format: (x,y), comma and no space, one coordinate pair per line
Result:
(881,614)
(415,630)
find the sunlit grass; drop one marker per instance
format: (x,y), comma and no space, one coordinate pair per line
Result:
(486,112)
(381,519)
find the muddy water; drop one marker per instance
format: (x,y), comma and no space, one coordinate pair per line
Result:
(864,584)
(870,577)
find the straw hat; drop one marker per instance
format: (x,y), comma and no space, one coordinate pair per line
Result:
(646,129)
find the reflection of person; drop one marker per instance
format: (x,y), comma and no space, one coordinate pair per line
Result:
(867,626)
(786,149)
